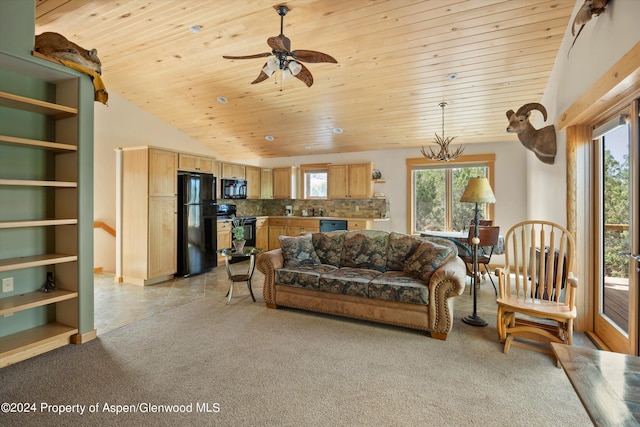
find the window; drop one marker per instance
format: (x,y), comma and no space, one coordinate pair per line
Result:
(435,189)
(314,181)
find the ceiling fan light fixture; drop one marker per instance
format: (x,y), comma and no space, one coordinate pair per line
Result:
(294,67)
(272,65)
(286,74)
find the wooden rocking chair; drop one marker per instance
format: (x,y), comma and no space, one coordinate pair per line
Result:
(537,289)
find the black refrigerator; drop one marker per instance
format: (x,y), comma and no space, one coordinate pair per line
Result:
(197,231)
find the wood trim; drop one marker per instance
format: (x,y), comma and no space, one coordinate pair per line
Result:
(105,227)
(84,337)
(489,159)
(620,84)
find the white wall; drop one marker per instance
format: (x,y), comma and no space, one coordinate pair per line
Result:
(603,41)
(122,124)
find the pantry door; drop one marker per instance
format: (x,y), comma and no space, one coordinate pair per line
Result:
(616,230)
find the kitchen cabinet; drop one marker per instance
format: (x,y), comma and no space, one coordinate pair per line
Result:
(233,170)
(262,233)
(46,215)
(252,175)
(224,237)
(193,163)
(359,224)
(284,182)
(290,227)
(149,215)
(350,181)
(266,183)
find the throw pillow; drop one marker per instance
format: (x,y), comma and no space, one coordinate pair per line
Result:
(328,246)
(298,251)
(365,249)
(426,259)
(401,246)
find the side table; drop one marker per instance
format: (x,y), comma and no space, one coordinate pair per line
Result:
(247,252)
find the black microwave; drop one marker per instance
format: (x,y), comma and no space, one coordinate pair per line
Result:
(233,188)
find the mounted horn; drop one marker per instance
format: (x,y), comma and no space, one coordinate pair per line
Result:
(526,108)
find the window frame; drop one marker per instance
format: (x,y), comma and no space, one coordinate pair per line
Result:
(311,168)
(487,160)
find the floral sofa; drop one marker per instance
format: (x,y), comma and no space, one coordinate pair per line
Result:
(375,275)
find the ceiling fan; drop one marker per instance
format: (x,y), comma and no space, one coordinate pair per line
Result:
(284,58)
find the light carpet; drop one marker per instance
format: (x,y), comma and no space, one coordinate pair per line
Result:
(245,365)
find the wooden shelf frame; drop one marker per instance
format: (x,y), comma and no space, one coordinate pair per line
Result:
(37,223)
(9,264)
(34,341)
(16,303)
(50,109)
(36,183)
(25,142)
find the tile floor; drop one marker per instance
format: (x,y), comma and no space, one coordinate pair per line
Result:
(119,304)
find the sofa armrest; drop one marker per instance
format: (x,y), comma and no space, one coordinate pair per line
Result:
(267,264)
(447,282)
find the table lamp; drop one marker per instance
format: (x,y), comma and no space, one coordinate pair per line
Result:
(478,191)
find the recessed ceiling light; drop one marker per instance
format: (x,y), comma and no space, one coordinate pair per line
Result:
(308,147)
(222,100)
(452,76)
(195,28)
(269,138)
(337,130)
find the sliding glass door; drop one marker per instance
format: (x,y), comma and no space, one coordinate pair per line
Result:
(616,230)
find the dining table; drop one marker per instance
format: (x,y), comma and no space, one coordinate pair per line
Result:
(461,239)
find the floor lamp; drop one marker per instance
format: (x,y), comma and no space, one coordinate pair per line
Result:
(478,191)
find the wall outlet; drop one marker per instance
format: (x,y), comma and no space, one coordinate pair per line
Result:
(7,284)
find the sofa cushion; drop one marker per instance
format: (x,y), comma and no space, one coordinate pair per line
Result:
(304,276)
(400,287)
(426,259)
(365,249)
(401,246)
(348,281)
(453,244)
(328,246)
(298,250)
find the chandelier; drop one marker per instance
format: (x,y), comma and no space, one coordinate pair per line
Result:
(443,154)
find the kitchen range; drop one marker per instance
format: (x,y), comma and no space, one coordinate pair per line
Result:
(229,211)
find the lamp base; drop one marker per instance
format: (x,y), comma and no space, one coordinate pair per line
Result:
(474,320)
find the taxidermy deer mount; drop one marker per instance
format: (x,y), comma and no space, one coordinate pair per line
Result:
(589,9)
(541,141)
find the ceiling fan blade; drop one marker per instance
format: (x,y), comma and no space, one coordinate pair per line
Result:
(305,76)
(257,55)
(261,77)
(280,43)
(312,56)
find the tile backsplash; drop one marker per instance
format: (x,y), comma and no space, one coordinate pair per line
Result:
(347,208)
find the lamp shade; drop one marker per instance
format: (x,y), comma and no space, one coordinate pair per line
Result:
(478,191)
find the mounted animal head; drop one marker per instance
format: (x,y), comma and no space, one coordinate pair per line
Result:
(588,9)
(543,141)
(57,46)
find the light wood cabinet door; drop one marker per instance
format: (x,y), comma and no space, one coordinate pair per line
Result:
(266,183)
(163,173)
(284,183)
(262,234)
(189,162)
(360,183)
(162,236)
(232,170)
(350,181)
(224,238)
(337,181)
(252,174)
(274,232)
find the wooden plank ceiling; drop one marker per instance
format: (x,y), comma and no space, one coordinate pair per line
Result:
(394,58)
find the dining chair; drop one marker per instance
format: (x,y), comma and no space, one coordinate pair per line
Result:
(488,236)
(537,287)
